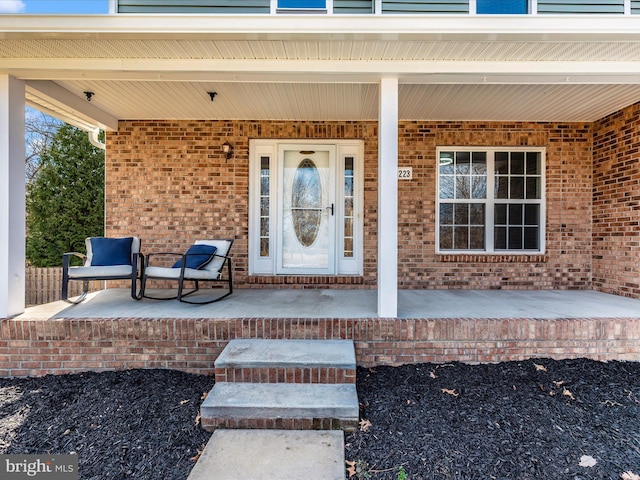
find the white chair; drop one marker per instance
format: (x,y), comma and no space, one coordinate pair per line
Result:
(196,265)
(106,259)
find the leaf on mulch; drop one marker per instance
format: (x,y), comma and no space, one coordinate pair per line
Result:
(351,468)
(196,457)
(365,425)
(629,476)
(432,374)
(540,367)
(204,396)
(587,461)
(197,420)
(559,384)
(450,391)
(182,402)
(567,393)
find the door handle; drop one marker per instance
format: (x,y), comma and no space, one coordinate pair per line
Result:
(330,208)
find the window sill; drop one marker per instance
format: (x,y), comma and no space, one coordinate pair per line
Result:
(492,258)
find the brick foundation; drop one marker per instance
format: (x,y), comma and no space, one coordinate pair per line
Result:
(57,346)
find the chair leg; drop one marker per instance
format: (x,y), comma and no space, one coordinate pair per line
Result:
(81,297)
(135,294)
(217,299)
(65,284)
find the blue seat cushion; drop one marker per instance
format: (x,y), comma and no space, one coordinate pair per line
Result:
(107,252)
(197,257)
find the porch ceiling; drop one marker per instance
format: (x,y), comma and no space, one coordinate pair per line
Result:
(449,68)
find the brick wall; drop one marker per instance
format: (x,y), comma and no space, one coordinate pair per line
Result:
(169,183)
(616,203)
(567,261)
(42,346)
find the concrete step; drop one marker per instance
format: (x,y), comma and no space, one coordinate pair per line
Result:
(287,361)
(281,405)
(271,455)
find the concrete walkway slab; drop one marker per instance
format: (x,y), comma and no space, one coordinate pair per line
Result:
(258,353)
(272,455)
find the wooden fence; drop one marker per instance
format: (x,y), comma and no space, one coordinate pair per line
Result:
(44,285)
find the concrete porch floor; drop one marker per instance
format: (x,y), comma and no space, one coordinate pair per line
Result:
(318,303)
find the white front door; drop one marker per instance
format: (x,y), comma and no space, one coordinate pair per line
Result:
(306,214)
(306,207)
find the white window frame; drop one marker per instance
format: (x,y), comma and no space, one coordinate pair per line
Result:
(259,148)
(490,202)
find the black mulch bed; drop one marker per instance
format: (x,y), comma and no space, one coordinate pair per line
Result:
(537,419)
(122,425)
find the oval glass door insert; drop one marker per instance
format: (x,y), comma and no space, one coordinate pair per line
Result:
(306,202)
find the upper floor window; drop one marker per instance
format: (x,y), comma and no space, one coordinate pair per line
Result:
(491,7)
(302,4)
(491,200)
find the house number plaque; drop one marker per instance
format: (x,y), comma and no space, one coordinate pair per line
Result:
(405,173)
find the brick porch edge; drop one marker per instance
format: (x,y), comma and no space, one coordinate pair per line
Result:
(32,347)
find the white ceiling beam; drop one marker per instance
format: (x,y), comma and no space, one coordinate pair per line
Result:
(78,110)
(324,71)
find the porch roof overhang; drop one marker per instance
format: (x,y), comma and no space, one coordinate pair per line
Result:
(318,67)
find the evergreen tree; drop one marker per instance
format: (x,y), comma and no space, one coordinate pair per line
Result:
(65,201)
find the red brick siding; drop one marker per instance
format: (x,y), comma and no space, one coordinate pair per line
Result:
(39,347)
(566,264)
(616,203)
(169,183)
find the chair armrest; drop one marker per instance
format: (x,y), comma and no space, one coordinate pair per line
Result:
(66,258)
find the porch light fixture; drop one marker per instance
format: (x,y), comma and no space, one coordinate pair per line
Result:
(227,148)
(88,95)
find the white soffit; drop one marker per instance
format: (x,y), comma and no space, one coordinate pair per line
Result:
(190,100)
(528,68)
(565,103)
(337,50)
(328,101)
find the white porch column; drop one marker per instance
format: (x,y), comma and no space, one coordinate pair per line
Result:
(388,198)
(12,196)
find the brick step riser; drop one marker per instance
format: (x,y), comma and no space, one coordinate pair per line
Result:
(326,375)
(211,424)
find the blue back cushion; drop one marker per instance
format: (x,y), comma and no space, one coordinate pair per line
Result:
(111,251)
(197,256)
